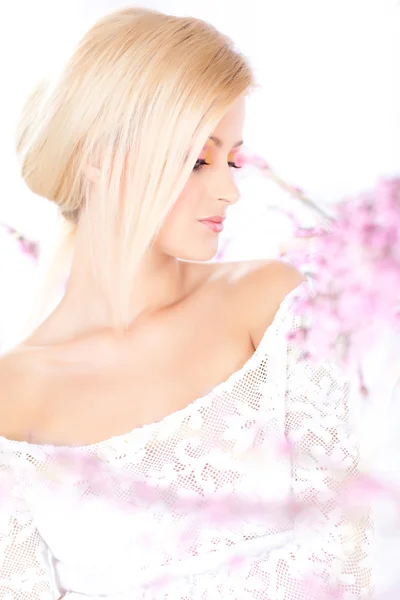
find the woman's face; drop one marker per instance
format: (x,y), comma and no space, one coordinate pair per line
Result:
(193,226)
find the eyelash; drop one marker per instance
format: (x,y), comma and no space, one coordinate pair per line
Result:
(201,163)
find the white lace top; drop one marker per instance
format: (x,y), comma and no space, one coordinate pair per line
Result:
(232,497)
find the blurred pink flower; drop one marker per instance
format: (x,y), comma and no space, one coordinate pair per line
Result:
(28,247)
(355,264)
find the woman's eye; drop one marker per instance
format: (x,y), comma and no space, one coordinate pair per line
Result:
(201,162)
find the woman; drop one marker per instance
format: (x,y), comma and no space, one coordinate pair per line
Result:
(136,144)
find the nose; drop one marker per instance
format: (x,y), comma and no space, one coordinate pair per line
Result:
(231,197)
(228,191)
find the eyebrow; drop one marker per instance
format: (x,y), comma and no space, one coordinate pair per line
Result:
(220,143)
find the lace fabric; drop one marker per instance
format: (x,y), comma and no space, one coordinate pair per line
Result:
(235,496)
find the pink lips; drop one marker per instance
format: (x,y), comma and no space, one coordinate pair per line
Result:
(216,224)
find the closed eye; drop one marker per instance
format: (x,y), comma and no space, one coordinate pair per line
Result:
(201,163)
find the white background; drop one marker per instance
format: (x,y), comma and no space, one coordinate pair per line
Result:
(327,119)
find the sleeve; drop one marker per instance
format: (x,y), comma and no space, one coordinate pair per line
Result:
(330,556)
(25,566)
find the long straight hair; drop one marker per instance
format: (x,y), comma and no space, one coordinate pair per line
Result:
(139,97)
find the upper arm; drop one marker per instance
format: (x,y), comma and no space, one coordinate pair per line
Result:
(266,288)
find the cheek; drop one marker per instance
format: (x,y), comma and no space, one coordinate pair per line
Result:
(189,199)
(183,212)
(180,235)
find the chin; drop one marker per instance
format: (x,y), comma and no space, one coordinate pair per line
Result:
(203,253)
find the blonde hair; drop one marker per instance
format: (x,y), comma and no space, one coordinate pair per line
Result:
(139,97)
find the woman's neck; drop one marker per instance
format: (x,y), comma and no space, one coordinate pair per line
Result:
(160,282)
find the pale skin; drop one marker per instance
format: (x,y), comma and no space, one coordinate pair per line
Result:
(76,381)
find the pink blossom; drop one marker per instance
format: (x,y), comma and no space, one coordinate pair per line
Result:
(355,264)
(28,247)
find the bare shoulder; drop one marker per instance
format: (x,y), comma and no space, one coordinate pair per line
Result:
(258,287)
(19,385)
(270,284)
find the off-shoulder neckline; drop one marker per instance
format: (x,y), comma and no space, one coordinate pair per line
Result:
(147,428)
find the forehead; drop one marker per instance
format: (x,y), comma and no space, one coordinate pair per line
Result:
(230,128)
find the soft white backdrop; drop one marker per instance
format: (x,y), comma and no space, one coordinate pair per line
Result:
(327,117)
(326,120)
